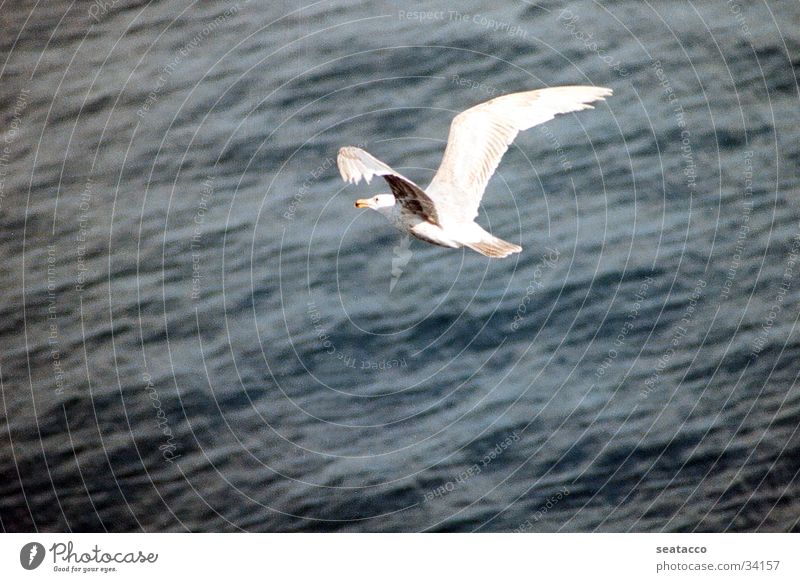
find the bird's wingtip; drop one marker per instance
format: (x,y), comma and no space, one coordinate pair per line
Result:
(345,162)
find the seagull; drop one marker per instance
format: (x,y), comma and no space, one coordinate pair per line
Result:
(444,213)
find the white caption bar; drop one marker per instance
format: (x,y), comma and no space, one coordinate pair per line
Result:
(353,557)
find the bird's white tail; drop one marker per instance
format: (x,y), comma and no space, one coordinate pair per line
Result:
(494,247)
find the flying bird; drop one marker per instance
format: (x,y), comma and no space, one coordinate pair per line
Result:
(444,213)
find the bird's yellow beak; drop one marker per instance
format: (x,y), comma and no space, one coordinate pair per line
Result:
(362,203)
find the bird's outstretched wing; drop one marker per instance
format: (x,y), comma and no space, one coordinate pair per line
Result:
(481,135)
(354,164)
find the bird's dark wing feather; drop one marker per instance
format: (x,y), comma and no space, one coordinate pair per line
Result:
(354,164)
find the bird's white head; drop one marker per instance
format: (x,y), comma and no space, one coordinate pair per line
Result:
(376,202)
